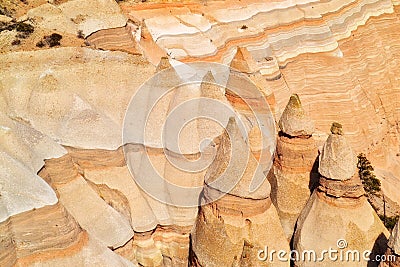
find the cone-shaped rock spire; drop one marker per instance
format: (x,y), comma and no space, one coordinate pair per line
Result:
(231,230)
(243,61)
(163,64)
(337,160)
(235,167)
(293,177)
(294,121)
(210,89)
(338,209)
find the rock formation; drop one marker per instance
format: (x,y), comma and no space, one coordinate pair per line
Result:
(392,256)
(338,214)
(55,238)
(231,230)
(349,40)
(115,39)
(249,94)
(293,177)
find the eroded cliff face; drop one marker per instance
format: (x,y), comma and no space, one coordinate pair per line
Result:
(67,196)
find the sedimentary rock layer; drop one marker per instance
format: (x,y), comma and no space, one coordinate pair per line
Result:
(55,239)
(115,39)
(219,28)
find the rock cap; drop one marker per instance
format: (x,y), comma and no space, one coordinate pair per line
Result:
(243,61)
(294,121)
(163,64)
(337,160)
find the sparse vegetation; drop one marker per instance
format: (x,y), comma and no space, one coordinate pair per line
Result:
(390,222)
(372,185)
(244,27)
(80,35)
(50,40)
(16,42)
(53,40)
(24,27)
(40,44)
(21,27)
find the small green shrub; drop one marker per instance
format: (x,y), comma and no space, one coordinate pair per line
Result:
(24,27)
(50,40)
(40,44)
(16,42)
(372,185)
(80,34)
(390,222)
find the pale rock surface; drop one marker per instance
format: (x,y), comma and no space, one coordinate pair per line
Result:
(68,100)
(72,16)
(23,151)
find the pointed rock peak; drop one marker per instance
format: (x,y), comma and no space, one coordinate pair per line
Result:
(294,121)
(144,26)
(394,240)
(163,64)
(235,170)
(337,128)
(294,102)
(232,128)
(243,61)
(255,139)
(209,77)
(337,160)
(210,89)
